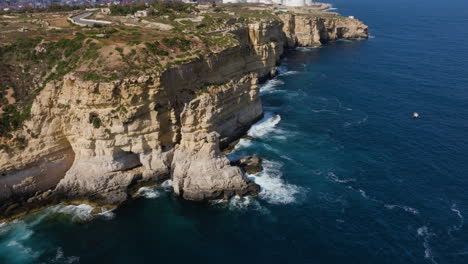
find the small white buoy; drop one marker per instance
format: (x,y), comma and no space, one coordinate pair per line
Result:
(415,115)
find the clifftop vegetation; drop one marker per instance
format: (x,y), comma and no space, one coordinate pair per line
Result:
(41,46)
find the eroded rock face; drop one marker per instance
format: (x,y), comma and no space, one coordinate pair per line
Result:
(97,140)
(250,164)
(306,31)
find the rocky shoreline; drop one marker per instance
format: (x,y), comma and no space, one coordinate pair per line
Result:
(99,142)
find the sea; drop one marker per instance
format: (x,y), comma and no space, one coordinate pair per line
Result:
(349,176)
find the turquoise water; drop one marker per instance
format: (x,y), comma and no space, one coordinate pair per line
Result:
(349,176)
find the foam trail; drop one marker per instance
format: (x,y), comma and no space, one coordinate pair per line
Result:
(357,123)
(264,126)
(61,258)
(273,188)
(455,209)
(403,207)
(82,212)
(332,176)
(426,235)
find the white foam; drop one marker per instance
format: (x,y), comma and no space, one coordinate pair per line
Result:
(426,235)
(322,111)
(357,123)
(270,86)
(273,189)
(264,126)
(148,192)
(82,212)
(307,49)
(332,176)
(23,249)
(60,257)
(289,73)
(363,193)
(237,203)
(403,207)
(243,143)
(455,209)
(167,185)
(283,71)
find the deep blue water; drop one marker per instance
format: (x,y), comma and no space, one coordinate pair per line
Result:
(349,176)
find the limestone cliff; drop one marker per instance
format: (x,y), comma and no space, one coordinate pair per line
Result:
(96,140)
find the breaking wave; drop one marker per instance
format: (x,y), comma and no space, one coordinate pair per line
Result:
(148,192)
(264,126)
(283,71)
(237,203)
(82,212)
(167,185)
(273,188)
(270,86)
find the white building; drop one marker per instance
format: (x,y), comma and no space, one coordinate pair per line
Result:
(276,2)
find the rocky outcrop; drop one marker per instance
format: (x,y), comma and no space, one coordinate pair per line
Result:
(250,164)
(304,30)
(97,140)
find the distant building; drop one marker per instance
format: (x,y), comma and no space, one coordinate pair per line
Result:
(141,13)
(276,2)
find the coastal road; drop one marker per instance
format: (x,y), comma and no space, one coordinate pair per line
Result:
(80,19)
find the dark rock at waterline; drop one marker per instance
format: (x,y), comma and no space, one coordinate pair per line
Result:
(251,164)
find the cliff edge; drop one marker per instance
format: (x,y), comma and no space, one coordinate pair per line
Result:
(138,103)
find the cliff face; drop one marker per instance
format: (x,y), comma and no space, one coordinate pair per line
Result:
(97,140)
(302,30)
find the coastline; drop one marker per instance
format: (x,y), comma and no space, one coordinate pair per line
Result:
(201,150)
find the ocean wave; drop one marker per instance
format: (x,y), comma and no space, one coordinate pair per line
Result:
(167,185)
(61,258)
(357,123)
(340,105)
(283,71)
(273,188)
(322,111)
(264,126)
(270,86)
(82,212)
(243,143)
(363,194)
(426,235)
(403,207)
(332,176)
(455,209)
(148,192)
(11,245)
(237,203)
(24,251)
(307,49)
